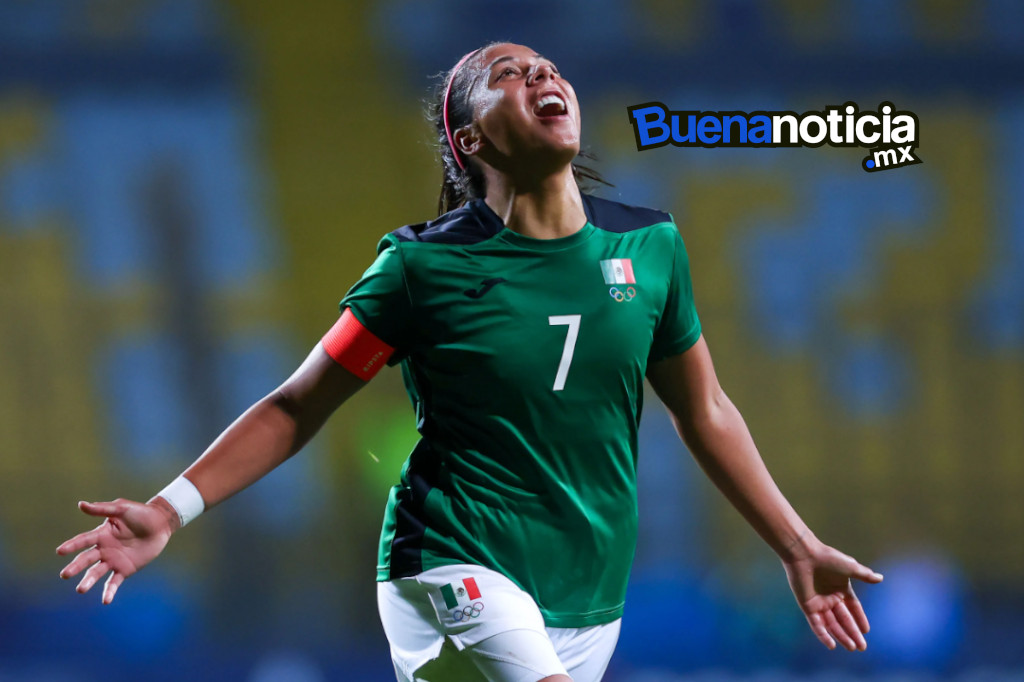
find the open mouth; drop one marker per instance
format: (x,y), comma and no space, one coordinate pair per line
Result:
(550,105)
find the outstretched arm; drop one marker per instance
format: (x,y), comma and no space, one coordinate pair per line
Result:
(716,434)
(268,433)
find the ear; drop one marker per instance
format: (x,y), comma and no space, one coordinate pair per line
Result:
(468,140)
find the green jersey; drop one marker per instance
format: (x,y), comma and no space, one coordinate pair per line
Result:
(525,360)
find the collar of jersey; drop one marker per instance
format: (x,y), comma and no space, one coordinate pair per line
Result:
(494,225)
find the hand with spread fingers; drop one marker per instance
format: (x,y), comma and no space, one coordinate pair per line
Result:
(821,584)
(132,535)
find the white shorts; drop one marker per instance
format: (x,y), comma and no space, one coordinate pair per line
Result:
(466,623)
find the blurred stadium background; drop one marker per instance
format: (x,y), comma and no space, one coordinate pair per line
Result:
(188,187)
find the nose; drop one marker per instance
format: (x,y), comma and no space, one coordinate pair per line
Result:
(540,72)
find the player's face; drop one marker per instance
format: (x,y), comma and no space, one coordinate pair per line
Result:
(523,107)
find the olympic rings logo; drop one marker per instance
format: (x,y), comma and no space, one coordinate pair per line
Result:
(628,295)
(467,612)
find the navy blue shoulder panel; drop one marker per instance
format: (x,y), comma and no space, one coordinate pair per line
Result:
(468,224)
(617,217)
(475,222)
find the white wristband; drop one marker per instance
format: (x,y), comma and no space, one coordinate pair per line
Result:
(185,498)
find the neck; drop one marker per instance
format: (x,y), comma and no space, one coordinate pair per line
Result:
(548,209)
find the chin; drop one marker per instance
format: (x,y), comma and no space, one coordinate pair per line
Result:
(571,151)
(562,145)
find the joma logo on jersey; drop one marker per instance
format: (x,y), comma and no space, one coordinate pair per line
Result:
(485,286)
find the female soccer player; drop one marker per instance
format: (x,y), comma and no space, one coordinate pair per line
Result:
(525,317)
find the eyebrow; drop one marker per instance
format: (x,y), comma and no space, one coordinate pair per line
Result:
(509,58)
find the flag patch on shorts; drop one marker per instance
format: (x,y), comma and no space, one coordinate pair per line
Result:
(460,593)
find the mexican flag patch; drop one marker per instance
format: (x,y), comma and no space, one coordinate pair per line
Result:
(618,271)
(460,592)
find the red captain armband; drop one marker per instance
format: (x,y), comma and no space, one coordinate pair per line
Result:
(355,348)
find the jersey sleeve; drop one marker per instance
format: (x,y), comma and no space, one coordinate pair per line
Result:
(380,300)
(679,327)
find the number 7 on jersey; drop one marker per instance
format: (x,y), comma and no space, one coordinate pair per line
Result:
(573,321)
